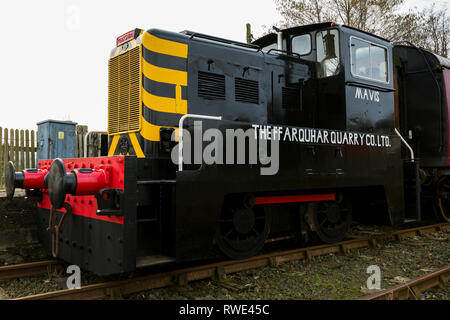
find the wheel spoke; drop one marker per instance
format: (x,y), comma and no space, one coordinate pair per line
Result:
(242,234)
(228,233)
(443,210)
(327,230)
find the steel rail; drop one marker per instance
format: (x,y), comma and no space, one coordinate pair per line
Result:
(413,288)
(29,269)
(218,271)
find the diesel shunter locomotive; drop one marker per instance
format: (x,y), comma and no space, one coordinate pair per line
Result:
(348,119)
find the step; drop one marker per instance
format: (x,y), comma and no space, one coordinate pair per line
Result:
(157,182)
(145,261)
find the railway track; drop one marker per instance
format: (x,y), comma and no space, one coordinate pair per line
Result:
(413,288)
(116,289)
(29,269)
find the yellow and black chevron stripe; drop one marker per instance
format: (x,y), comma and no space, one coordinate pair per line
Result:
(163,91)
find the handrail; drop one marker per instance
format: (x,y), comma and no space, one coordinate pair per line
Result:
(180,134)
(286,53)
(192,34)
(406,144)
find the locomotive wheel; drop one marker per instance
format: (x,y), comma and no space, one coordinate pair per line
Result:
(443,209)
(442,200)
(331,220)
(242,231)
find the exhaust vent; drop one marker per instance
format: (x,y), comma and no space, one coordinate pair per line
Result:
(246,91)
(211,85)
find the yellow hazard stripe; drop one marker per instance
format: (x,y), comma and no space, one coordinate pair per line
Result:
(112,148)
(179,101)
(171,48)
(136,146)
(164,104)
(151,132)
(164,75)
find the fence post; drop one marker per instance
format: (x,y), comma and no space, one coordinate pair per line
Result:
(33,150)
(81,131)
(16,148)
(11,145)
(27,149)
(5,148)
(1,156)
(22,151)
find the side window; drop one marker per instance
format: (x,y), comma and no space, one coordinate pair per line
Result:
(301,44)
(369,61)
(328,56)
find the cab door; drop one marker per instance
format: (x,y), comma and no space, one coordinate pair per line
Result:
(330,110)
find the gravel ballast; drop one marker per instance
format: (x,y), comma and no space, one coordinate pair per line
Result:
(325,277)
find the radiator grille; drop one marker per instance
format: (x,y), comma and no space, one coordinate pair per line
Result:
(124,92)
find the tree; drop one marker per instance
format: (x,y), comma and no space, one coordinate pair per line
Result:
(429,28)
(367,15)
(435,30)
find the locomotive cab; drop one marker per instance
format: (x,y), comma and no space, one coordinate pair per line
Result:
(350,87)
(352,74)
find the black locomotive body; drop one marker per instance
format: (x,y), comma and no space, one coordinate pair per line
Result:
(422,105)
(324,99)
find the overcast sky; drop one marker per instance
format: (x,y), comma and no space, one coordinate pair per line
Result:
(53,59)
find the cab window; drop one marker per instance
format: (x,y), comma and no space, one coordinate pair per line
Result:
(301,44)
(269,47)
(328,56)
(368,61)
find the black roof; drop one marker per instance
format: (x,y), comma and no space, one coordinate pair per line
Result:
(444,62)
(271,37)
(438,60)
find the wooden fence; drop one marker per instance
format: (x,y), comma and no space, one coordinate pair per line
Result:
(18,146)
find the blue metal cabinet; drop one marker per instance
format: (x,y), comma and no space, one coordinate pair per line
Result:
(56,139)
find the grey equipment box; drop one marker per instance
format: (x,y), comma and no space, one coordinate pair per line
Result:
(56,139)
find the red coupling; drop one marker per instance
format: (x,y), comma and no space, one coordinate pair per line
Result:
(90,181)
(78,182)
(34,178)
(26,179)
